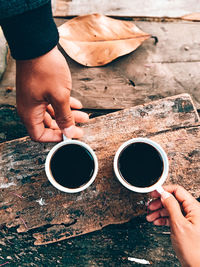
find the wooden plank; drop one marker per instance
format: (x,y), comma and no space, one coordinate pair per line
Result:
(109,247)
(166,69)
(151,72)
(127,8)
(29,202)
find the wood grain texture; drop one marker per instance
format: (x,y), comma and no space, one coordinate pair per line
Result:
(126,8)
(109,247)
(30,202)
(151,72)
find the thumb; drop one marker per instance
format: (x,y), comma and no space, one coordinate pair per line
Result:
(63,114)
(172,206)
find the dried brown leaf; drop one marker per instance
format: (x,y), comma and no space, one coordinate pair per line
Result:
(95,40)
(192,16)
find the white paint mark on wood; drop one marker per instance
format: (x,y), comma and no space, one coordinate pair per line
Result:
(141,261)
(6,185)
(141,202)
(41,201)
(166,233)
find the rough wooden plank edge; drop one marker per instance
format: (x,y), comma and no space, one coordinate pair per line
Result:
(185,97)
(31,203)
(131,18)
(138,18)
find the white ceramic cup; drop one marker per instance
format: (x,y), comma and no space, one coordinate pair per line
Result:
(158,185)
(67,141)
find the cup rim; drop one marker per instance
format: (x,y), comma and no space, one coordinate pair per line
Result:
(164,157)
(50,176)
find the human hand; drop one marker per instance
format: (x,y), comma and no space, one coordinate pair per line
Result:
(43,89)
(179,210)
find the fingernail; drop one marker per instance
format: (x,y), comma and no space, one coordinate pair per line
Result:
(165,195)
(147,218)
(69,132)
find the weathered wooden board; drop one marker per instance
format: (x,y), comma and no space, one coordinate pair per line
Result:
(151,72)
(29,202)
(126,8)
(109,247)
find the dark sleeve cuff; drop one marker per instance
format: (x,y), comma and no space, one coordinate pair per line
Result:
(32,33)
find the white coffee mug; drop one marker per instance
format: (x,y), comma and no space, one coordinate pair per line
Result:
(158,185)
(67,141)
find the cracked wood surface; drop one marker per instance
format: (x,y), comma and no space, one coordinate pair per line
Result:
(29,202)
(151,72)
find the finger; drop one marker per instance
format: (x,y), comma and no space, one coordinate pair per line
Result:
(63,113)
(157,214)
(41,134)
(75,103)
(155,194)
(34,122)
(80,116)
(173,208)
(162,222)
(182,195)
(49,122)
(155,204)
(50,110)
(73,132)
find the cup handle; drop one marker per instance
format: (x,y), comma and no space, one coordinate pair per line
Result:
(65,138)
(160,189)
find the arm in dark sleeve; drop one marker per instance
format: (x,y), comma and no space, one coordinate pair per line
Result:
(31,34)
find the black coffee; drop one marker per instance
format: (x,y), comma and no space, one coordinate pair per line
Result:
(140,164)
(72,166)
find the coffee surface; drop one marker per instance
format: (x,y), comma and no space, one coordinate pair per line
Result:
(140,164)
(72,166)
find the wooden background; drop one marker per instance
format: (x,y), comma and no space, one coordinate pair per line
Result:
(149,73)
(152,72)
(126,8)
